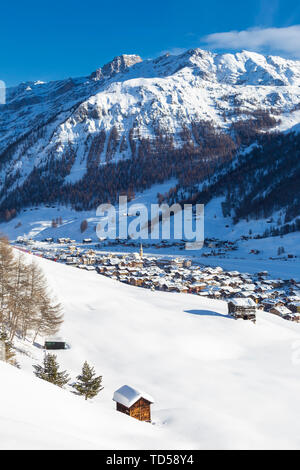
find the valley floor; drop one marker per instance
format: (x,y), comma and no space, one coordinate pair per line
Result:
(36,223)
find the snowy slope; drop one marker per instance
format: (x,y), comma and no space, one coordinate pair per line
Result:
(217,383)
(36,222)
(37,415)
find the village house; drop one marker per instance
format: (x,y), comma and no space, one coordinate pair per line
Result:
(291,316)
(133,403)
(268,304)
(211,292)
(280,310)
(197,287)
(294,307)
(262,274)
(72,260)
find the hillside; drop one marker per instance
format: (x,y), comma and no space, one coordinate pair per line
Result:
(134,123)
(211,377)
(260,184)
(38,415)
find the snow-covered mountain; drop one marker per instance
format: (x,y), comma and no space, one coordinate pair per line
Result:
(56,138)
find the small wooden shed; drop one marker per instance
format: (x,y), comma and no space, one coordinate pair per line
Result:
(54,343)
(242,308)
(133,403)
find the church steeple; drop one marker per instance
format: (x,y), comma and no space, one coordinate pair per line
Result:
(141,250)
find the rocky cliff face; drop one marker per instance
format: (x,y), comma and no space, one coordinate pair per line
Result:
(117,65)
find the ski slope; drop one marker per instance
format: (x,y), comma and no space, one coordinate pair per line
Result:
(217,383)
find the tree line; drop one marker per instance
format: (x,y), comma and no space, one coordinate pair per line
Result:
(26,307)
(261,182)
(204,151)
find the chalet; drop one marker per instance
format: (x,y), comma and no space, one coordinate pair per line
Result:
(182,289)
(162,262)
(89,267)
(246,294)
(133,403)
(71,260)
(242,308)
(260,287)
(233,273)
(275,283)
(123,272)
(280,310)
(187,263)
(291,316)
(212,293)
(294,307)
(100,269)
(294,295)
(88,259)
(197,286)
(249,287)
(268,304)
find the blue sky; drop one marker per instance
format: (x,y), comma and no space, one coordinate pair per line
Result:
(59,39)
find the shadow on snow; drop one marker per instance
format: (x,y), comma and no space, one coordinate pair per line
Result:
(207,313)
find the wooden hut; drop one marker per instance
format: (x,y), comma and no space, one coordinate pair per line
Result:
(242,308)
(54,343)
(133,403)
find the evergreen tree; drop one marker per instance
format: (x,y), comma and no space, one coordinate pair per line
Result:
(83,226)
(87,383)
(49,371)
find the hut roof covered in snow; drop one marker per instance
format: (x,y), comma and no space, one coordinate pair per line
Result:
(127,396)
(241,302)
(58,339)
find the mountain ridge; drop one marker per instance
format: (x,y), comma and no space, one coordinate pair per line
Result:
(197,105)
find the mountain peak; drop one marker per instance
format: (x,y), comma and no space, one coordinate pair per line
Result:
(117,65)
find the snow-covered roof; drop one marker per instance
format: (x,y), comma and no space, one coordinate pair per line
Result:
(56,339)
(241,302)
(249,286)
(127,396)
(282,310)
